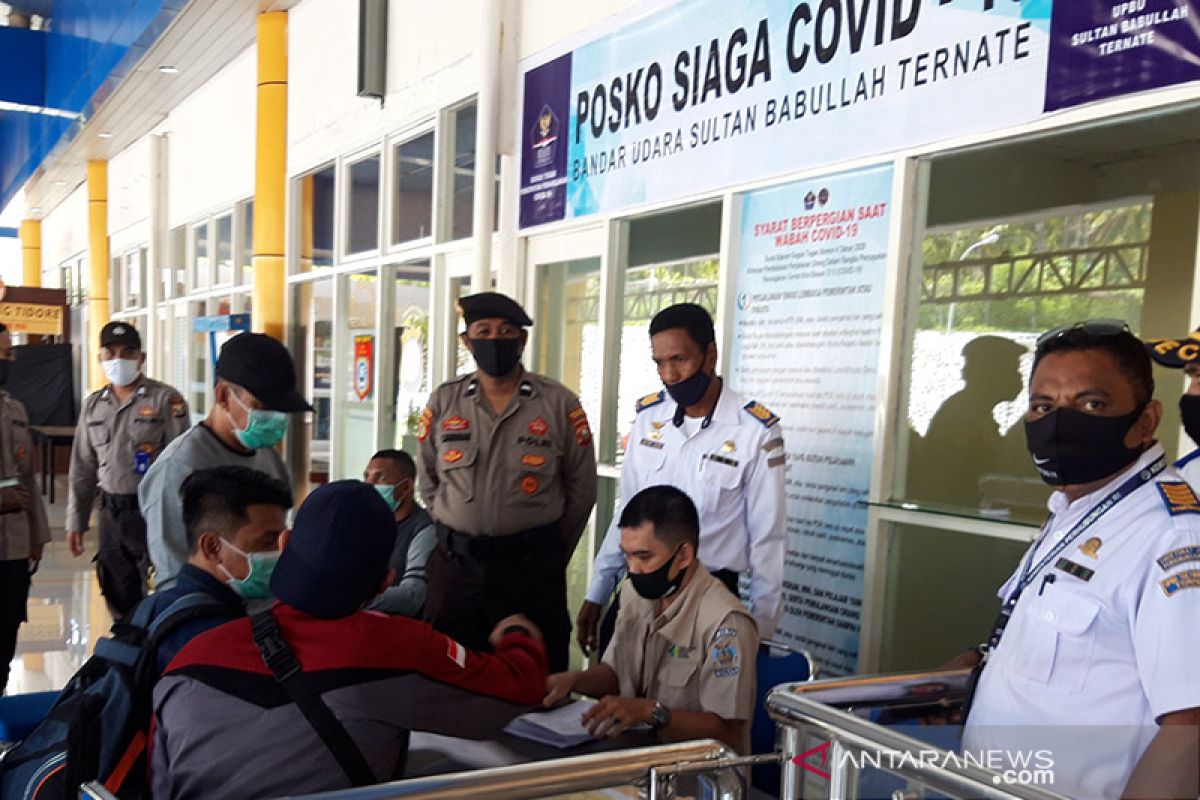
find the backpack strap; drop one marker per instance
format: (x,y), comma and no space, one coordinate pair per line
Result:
(286,669)
(190,607)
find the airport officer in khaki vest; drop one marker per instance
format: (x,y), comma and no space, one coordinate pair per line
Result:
(122,429)
(509,474)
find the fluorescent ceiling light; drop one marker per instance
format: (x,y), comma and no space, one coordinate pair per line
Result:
(169,69)
(105,134)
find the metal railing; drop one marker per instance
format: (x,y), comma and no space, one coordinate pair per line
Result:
(654,768)
(846,742)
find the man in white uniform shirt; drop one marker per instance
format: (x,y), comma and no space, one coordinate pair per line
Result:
(725,451)
(1091,660)
(1184,354)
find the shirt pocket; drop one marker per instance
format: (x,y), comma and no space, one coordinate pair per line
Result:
(98,435)
(456,467)
(1058,641)
(678,682)
(534,472)
(720,479)
(22,444)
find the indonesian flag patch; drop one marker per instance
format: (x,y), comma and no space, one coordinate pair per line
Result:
(456,653)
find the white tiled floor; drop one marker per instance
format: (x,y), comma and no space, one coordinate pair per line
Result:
(66,612)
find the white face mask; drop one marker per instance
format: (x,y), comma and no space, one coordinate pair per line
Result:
(121,371)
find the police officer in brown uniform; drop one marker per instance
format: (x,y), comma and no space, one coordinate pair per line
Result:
(122,429)
(23,527)
(509,475)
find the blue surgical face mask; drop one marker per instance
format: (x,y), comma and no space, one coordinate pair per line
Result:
(263,428)
(388,492)
(257,583)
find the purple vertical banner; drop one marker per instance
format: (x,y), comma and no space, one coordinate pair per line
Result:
(1102,48)
(544,142)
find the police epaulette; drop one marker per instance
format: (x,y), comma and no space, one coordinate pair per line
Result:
(650,400)
(761,413)
(1179,498)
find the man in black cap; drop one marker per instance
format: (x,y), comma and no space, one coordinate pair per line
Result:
(509,474)
(255,391)
(1184,354)
(225,728)
(122,429)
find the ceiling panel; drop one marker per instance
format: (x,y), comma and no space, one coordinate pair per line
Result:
(203,38)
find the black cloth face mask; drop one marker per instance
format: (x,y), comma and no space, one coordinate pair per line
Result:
(689,391)
(5,370)
(656,585)
(496,357)
(1070,447)
(1189,410)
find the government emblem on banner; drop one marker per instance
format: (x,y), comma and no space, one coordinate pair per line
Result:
(364,366)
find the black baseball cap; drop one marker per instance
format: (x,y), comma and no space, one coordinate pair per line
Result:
(1175,353)
(338,551)
(263,367)
(492,305)
(120,333)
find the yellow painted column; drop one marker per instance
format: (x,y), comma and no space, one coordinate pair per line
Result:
(97,188)
(270,176)
(31,252)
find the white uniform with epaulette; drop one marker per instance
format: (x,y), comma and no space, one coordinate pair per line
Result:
(1100,644)
(733,469)
(1189,468)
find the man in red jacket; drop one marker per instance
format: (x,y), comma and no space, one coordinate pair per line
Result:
(224,727)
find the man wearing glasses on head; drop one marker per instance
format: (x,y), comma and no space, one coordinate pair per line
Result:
(1088,665)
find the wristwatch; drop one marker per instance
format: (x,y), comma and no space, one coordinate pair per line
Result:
(660,716)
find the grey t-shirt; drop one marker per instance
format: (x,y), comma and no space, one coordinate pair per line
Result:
(158,494)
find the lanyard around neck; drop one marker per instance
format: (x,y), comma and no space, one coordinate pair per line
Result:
(1030,571)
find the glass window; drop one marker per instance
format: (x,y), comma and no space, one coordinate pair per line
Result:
(174,272)
(570,350)
(198,377)
(115,277)
(463,361)
(410,329)
(987,291)
(315,201)
(356,420)
(463,182)
(312,347)
(245,250)
(135,268)
(201,266)
(920,629)
(362,221)
(224,249)
(412,206)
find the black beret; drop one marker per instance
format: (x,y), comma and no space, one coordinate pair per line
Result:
(492,305)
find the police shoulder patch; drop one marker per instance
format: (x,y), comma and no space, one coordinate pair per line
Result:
(651,400)
(1179,498)
(761,413)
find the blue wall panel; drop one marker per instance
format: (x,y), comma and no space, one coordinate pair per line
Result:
(23,72)
(90,48)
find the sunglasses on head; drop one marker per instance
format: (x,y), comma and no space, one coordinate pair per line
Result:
(1091,327)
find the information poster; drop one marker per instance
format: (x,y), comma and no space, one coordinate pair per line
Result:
(806,331)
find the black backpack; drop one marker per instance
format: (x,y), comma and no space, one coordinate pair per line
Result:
(98,727)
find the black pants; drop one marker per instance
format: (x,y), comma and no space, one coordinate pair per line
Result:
(123,561)
(471,589)
(14,594)
(608,624)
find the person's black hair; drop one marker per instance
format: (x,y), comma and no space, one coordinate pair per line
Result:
(1126,350)
(216,499)
(403,461)
(669,510)
(3,328)
(692,318)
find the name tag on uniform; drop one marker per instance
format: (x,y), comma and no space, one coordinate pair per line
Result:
(726,460)
(652,443)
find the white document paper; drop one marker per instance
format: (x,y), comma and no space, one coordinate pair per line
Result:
(560,727)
